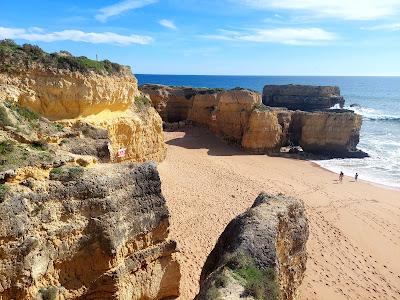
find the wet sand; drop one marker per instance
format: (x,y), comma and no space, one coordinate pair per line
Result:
(354,244)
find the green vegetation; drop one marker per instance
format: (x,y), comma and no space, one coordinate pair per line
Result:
(49,293)
(59,127)
(66,173)
(13,156)
(4,119)
(258,283)
(6,147)
(142,102)
(262,107)
(24,114)
(39,146)
(3,191)
(14,57)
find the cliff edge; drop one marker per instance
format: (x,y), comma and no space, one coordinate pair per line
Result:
(65,88)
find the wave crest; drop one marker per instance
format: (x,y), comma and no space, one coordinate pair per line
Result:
(372,114)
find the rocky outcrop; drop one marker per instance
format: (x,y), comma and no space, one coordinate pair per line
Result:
(238,116)
(233,113)
(264,132)
(74,226)
(173,103)
(62,87)
(96,233)
(302,97)
(260,255)
(333,133)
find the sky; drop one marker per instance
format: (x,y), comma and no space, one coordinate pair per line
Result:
(220,37)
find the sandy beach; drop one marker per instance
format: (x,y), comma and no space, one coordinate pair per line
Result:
(354,244)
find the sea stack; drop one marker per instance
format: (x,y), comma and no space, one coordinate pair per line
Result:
(302,97)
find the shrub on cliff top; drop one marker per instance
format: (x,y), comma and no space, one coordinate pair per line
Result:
(16,58)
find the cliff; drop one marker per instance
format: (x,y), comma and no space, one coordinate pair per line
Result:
(173,103)
(73,225)
(238,116)
(62,87)
(302,97)
(329,132)
(260,255)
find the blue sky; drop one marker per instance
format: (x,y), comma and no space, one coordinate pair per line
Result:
(230,37)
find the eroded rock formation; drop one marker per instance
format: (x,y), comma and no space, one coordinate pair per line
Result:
(96,233)
(73,225)
(173,103)
(302,97)
(237,115)
(62,87)
(260,255)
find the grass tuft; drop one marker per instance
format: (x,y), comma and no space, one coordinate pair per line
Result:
(258,283)
(3,191)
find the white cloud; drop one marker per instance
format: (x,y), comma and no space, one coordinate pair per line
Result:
(121,7)
(168,24)
(343,9)
(289,36)
(73,35)
(390,27)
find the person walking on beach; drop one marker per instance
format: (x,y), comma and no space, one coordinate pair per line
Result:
(341,176)
(356,177)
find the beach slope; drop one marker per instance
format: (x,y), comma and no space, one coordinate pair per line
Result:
(354,242)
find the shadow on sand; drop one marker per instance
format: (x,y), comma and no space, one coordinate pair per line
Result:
(201,138)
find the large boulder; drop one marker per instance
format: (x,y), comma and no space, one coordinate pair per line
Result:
(260,255)
(302,97)
(87,233)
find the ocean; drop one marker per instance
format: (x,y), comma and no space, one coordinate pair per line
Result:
(378,100)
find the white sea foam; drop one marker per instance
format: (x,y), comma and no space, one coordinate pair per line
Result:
(381,140)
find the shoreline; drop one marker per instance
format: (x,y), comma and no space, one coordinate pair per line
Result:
(354,228)
(377,184)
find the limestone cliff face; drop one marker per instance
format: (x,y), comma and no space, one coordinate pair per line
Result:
(62,94)
(260,255)
(263,133)
(303,97)
(233,112)
(108,101)
(237,115)
(204,109)
(172,103)
(96,233)
(329,132)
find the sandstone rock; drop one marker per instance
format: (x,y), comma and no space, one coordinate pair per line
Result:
(233,113)
(66,90)
(260,255)
(174,104)
(204,109)
(97,233)
(333,132)
(263,132)
(302,97)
